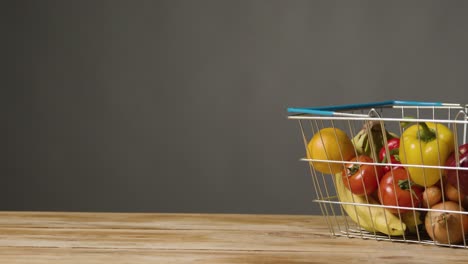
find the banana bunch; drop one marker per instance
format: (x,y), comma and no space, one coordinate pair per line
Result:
(370,139)
(371,218)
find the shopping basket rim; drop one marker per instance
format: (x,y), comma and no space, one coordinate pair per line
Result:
(333,109)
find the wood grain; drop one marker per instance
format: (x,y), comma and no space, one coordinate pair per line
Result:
(61,237)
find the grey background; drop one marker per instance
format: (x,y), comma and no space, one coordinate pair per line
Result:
(180,106)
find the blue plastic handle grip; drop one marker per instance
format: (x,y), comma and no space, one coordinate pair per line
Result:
(330,110)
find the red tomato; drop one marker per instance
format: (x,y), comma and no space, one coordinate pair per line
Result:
(362,179)
(396,189)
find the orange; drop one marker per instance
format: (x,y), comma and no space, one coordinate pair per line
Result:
(331,144)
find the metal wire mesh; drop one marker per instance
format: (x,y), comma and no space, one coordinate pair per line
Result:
(392,118)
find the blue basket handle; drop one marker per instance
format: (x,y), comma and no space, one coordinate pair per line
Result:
(331,110)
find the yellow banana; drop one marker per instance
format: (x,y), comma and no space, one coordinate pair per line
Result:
(371,218)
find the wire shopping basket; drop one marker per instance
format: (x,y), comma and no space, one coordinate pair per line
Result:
(392,170)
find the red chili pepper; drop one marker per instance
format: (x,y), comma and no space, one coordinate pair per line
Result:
(394,148)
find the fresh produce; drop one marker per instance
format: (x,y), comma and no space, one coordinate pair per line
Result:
(330,144)
(394,148)
(412,219)
(458,177)
(446,227)
(452,193)
(361,179)
(396,189)
(370,218)
(431,196)
(426,144)
(370,139)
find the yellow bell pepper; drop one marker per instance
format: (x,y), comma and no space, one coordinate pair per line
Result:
(426,144)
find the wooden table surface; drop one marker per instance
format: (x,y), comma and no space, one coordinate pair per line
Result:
(56,237)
